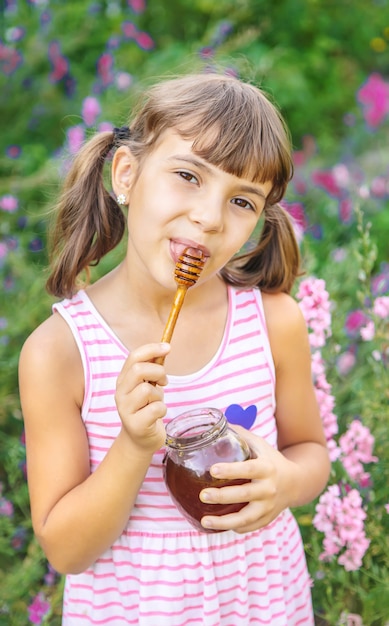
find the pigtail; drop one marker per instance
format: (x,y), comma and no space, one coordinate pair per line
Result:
(89,222)
(274,264)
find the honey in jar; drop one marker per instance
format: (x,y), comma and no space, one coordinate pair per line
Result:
(196,440)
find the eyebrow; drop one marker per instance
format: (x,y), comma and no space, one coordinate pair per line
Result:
(203,166)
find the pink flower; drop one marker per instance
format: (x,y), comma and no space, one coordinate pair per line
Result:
(315,306)
(374,98)
(356,446)
(381,307)
(387,508)
(75,137)
(9,203)
(90,110)
(138,6)
(297,214)
(3,250)
(38,609)
(327,181)
(105,126)
(341,519)
(379,187)
(144,41)
(123,80)
(345,362)
(345,210)
(368,331)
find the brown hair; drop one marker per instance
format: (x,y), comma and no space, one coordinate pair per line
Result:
(234,126)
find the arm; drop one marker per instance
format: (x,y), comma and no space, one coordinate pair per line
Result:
(298,471)
(69,505)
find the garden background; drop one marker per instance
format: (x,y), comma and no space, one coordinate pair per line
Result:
(69,68)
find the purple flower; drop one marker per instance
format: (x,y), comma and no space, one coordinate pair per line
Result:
(355,320)
(380,283)
(38,609)
(13,151)
(35,245)
(51,576)
(16,33)
(374,98)
(6,507)
(18,539)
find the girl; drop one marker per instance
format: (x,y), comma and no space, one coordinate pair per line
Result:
(202,161)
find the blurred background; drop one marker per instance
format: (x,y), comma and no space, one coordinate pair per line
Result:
(68,69)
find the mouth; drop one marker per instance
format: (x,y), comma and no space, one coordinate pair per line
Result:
(177,247)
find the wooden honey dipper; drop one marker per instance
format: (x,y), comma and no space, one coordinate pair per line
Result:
(186,274)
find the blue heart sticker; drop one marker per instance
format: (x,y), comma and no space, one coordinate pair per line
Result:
(236,414)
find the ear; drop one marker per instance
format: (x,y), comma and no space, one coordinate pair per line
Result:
(123,170)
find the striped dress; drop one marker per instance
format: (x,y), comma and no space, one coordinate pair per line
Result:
(161,571)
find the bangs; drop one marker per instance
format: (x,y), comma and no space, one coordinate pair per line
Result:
(232,125)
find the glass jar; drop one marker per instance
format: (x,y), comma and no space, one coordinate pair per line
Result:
(196,440)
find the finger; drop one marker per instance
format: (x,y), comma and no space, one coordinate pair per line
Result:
(142,395)
(251,516)
(250,469)
(144,354)
(229,495)
(140,373)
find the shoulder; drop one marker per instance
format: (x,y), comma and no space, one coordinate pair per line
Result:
(50,354)
(52,334)
(285,324)
(280,308)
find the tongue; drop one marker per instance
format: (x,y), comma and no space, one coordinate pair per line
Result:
(178,249)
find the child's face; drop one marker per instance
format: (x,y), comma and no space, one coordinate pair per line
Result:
(177,199)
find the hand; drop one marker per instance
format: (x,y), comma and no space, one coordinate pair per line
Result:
(272,477)
(139,396)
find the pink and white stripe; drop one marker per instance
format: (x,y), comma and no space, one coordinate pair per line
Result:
(161,571)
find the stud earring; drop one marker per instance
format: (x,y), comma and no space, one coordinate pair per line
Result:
(121,199)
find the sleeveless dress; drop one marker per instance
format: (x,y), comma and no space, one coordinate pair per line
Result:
(161,571)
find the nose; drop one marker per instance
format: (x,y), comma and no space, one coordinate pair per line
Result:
(208,213)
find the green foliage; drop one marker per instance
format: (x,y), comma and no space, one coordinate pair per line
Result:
(311,56)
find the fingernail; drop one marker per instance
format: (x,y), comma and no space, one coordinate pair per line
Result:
(206,523)
(165,346)
(215,470)
(205,496)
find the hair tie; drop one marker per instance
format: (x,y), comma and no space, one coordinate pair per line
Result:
(120,135)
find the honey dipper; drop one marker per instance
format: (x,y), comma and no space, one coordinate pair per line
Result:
(186,274)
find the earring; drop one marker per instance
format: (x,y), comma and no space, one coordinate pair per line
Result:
(121,199)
